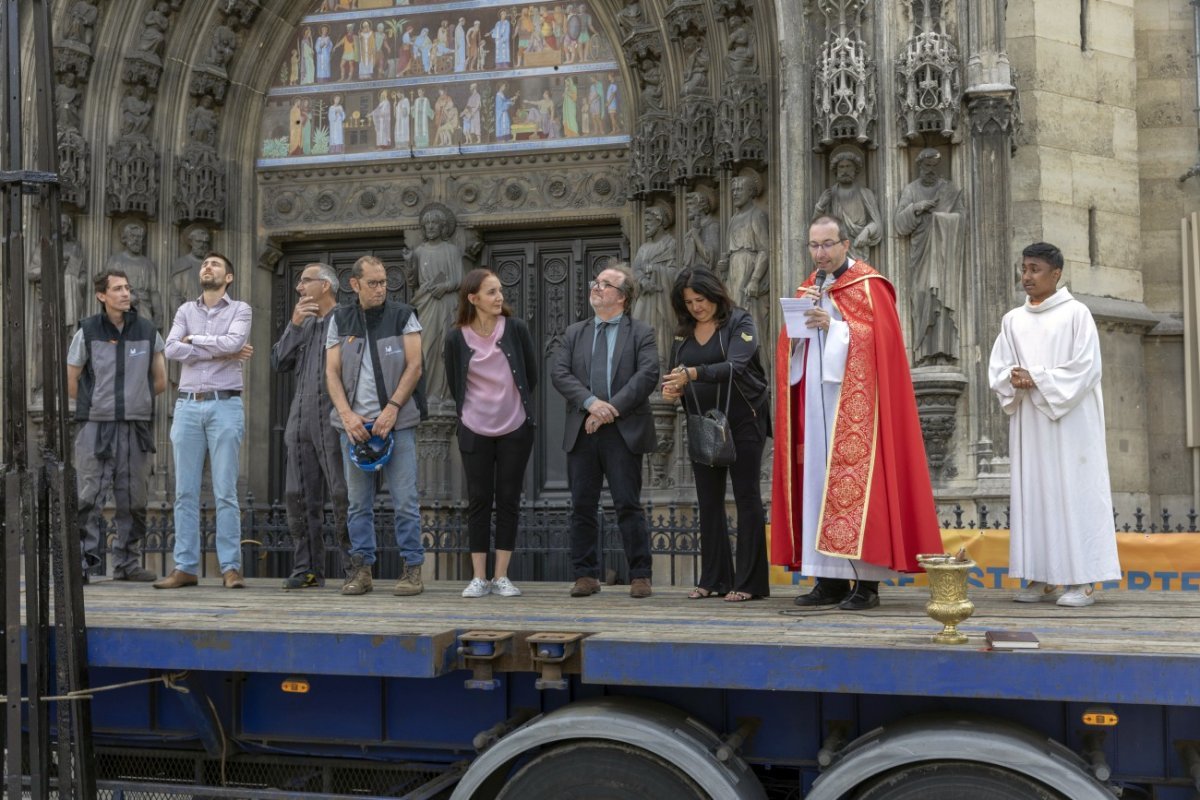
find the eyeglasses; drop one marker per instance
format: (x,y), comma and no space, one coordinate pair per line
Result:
(817,247)
(380,284)
(602,285)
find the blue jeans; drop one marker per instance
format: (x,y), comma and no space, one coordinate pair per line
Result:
(215,427)
(400,475)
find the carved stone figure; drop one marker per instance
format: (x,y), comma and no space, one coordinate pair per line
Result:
(749,251)
(652,93)
(135,114)
(853,204)
(76,288)
(142,272)
(202,123)
(154,32)
(630,18)
(703,235)
(66,105)
(931,213)
(222,47)
(741,59)
(80,22)
(654,269)
(439,270)
(185,270)
(695,69)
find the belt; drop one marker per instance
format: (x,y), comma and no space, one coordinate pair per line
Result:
(202,396)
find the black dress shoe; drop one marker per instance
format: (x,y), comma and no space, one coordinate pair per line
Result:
(862,598)
(827,592)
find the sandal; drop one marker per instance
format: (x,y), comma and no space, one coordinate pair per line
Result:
(700,593)
(741,597)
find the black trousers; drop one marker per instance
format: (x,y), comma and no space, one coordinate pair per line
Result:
(596,457)
(314,468)
(495,470)
(718,570)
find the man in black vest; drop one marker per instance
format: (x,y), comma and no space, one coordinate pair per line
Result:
(373,367)
(115,367)
(607,368)
(314,450)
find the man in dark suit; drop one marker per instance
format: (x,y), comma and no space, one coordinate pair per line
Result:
(607,369)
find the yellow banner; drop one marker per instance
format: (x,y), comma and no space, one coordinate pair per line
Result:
(1149,562)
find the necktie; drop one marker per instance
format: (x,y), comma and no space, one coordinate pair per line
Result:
(600,362)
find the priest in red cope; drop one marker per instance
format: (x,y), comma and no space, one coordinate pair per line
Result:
(851,494)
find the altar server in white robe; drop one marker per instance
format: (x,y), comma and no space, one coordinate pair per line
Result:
(1045,368)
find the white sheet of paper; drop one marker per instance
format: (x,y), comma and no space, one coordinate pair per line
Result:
(794,319)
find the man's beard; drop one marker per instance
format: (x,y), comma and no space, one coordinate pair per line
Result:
(211,283)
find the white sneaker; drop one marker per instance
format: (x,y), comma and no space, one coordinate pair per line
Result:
(1036,592)
(477,588)
(504,587)
(1078,596)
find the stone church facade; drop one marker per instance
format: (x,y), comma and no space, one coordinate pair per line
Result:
(671,133)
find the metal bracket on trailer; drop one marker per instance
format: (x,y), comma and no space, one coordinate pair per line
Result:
(479,651)
(550,653)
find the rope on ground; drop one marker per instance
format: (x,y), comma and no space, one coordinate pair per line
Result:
(170,680)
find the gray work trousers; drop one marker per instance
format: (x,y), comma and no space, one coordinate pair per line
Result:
(314,468)
(127,473)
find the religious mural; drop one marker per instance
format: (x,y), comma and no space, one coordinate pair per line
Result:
(368,80)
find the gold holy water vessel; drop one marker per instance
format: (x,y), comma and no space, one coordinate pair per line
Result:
(948,601)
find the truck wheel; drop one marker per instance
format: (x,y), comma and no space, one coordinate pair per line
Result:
(953,780)
(602,770)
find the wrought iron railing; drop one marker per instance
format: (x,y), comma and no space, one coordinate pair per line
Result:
(543,551)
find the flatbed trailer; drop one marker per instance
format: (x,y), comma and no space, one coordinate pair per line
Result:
(263,693)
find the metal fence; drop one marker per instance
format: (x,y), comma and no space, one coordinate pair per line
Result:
(543,551)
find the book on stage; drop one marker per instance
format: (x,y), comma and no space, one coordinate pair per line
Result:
(1011,640)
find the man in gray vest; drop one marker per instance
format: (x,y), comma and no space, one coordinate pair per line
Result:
(115,367)
(314,454)
(373,366)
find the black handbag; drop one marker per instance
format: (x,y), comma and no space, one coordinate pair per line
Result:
(710,440)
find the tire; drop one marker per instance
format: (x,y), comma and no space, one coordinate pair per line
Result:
(599,770)
(953,780)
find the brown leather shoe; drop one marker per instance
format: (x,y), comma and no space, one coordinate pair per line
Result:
(233,579)
(585,586)
(640,587)
(176,580)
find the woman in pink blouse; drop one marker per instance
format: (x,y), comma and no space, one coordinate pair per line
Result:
(491,368)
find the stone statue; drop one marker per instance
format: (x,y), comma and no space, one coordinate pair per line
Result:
(135,113)
(654,269)
(931,213)
(142,272)
(852,204)
(695,68)
(222,47)
(153,34)
(66,105)
(80,22)
(741,60)
(703,235)
(202,123)
(749,251)
(76,290)
(439,270)
(630,18)
(652,92)
(185,270)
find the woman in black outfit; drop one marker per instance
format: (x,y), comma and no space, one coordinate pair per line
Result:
(714,340)
(491,368)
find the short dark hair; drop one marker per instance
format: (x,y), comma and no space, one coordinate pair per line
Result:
(472,282)
(100,282)
(706,284)
(826,219)
(223,257)
(1046,252)
(628,285)
(357,270)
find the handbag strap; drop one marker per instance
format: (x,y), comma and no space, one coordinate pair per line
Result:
(729,390)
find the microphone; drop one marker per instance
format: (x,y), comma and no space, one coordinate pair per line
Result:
(819,279)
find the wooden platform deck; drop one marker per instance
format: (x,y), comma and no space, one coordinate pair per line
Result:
(1128,647)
